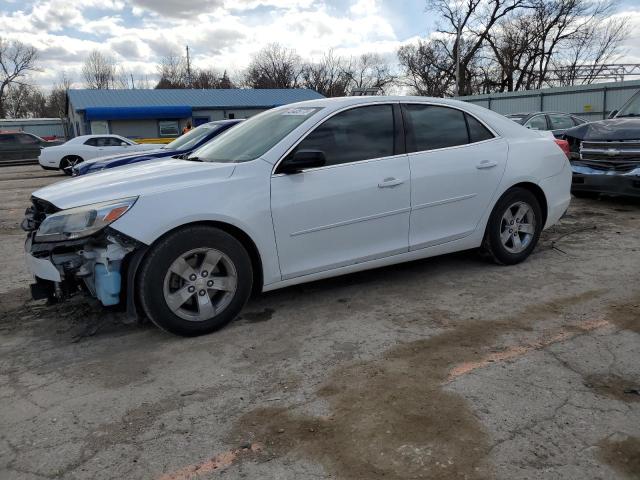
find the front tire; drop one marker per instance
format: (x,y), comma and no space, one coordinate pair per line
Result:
(68,162)
(514,227)
(195,281)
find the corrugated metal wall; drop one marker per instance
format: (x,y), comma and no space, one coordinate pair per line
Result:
(591,102)
(41,127)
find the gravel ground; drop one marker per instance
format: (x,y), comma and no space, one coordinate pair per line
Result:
(447,368)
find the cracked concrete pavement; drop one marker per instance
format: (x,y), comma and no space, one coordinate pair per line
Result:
(447,368)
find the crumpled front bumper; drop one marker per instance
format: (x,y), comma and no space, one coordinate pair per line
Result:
(94,265)
(40,267)
(587,179)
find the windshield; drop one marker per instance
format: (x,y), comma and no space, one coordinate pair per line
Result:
(190,139)
(631,108)
(254,137)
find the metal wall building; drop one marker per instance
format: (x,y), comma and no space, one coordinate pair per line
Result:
(42,127)
(591,102)
(164,113)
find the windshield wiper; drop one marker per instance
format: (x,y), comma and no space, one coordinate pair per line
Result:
(192,159)
(627,115)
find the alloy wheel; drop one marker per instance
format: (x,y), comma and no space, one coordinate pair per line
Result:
(518,227)
(200,284)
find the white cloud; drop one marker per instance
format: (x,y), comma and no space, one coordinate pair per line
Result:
(221,33)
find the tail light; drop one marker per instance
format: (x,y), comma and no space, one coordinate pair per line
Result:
(564,146)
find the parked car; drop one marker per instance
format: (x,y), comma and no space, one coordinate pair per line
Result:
(605,155)
(182,145)
(556,122)
(295,194)
(85,147)
(22,145)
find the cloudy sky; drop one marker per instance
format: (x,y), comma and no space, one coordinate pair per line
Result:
(220,33)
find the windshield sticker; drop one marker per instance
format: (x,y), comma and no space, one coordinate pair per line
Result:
(302,112)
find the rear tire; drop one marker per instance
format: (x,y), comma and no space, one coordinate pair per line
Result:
(514,227)
(195,280)
(68,162)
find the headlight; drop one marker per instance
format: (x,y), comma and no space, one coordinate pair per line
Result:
(82,221)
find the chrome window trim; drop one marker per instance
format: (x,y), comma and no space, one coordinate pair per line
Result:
(495,134)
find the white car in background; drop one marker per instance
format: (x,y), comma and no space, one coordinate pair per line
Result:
(295,194)
(86,147)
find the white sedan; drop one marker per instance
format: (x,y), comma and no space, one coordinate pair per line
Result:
(295,194)
(85,147)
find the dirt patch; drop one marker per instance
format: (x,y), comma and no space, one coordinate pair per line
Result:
(623,455)
(392,417)
(13,299)
(261,316)
(626,316)
(614,386)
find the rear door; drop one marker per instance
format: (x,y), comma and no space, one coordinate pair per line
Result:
(456,165)
(353,209)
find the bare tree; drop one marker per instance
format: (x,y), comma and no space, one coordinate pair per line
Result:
(274,67)
(99,71)
(17,60)
(173,72)
(57,100)
(369,71)
(328,77)
(426,67)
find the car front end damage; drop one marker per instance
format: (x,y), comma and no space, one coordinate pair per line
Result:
(605,157)
(75,251)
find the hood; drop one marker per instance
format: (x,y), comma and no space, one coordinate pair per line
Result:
(130,181)
(607,130)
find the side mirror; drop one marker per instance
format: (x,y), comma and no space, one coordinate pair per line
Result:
(302,160)
(613,113)
(124,144)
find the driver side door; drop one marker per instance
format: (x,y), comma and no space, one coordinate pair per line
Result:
(353,209)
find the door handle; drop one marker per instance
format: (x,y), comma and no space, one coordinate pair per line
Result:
(486,164)
(390,182)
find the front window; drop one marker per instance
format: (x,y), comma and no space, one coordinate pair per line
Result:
(631,108)
(192,138)
(254,137)
(360,133)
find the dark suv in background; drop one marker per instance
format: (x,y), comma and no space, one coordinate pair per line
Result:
(605,155)
(22,146)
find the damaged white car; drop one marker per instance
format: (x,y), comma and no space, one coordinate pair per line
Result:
(296,194)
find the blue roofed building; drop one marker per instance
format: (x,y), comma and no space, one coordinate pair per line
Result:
(164,113)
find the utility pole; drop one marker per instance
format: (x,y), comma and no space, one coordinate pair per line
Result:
(189,68)
(458,36)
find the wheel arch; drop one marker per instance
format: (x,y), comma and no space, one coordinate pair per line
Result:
(537,192)
(236,232)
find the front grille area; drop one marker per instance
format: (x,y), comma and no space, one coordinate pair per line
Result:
(36,213)
(619,156)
